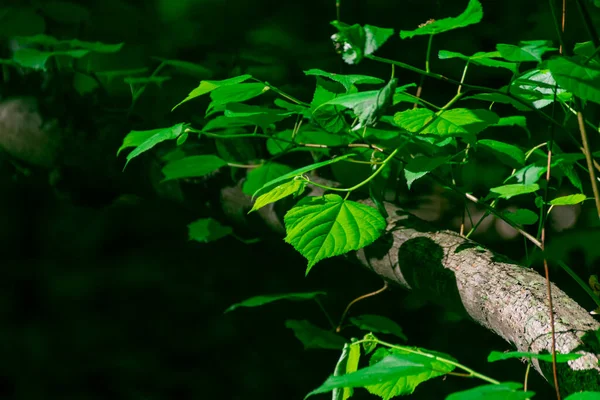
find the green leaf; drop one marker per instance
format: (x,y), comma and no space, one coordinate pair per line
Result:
(257,301)
(515,120)
(560,358)
(346,80)
(206,230)
(480,58)
(256,115)
(378,323)
(313,337)
(455,122)
(585,395)
(235,94)
(263,174)
(509,154)
(367,106)
(300,171)
(395,373)
(584,48)
(295,187)
(347,363)
(136,138)
(420,166)
(356,41)
(49,41)
(471,15)
(522,216)
(583,80)
(530,50)
(36,59)
(537,88)
(502,391)
(508,191)
(328,117)
(322,227)
(401,95)
(159,135)
(192,167)
(499,98)
(208,86)
(568,200)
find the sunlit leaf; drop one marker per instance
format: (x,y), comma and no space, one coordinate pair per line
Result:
(529,50)
(257,301)
(507,153)
(348,362)
(208,86)
(508,191)
(585,395)
(346,80)
(206,230)
(263,174)
(485,59)
(136,138)
(537,88)
(313,337)
(322,227)
(355,41)
(293,187)
(300,171)
(378,323)
(328,117)
(560,358)
(420,166)
(568,200)
(471,15)
(499,98)
(502,391)
(235,93)
(392,374)
(158,136)
(192,167)
(583,80)
(261,116)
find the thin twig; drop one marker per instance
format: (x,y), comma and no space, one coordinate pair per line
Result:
(364,296)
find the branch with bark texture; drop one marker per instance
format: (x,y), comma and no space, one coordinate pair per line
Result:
(504,297)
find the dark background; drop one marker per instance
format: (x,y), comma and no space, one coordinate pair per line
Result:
(102,296)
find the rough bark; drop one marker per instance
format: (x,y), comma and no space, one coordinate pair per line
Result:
(504,297)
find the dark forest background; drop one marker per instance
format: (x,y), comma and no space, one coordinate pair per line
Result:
(102,296)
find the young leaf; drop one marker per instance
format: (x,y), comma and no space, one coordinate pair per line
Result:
(295,187)
(509,154)
(348,362)
(471,15)
(257,301)
(235,94)
(508,191)
(209,86)
(392,375)
(368,106)
(346,80)
(192,167)
(313,337)
(529,50)
(322,227)
(300,171)
(480,58)
(378,323)
(560,358)
(158,136)
(420,166)
(568,200)
(263,174)
(522,216)
(503,391)
(577,77)
(356,41)
(206,230)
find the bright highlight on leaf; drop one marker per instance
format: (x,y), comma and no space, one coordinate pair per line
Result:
(529,50)
(503,391)
(471,15)
(508,191)
(583,80)
(421,166)
(192,167)
(257,301)
(568,200)
(206,230)
(263,174)
(323,227)
(293,187)
(355,41)
(486,59)
(152,138)
(560,358)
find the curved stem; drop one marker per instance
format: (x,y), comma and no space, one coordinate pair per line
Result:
(364,296)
